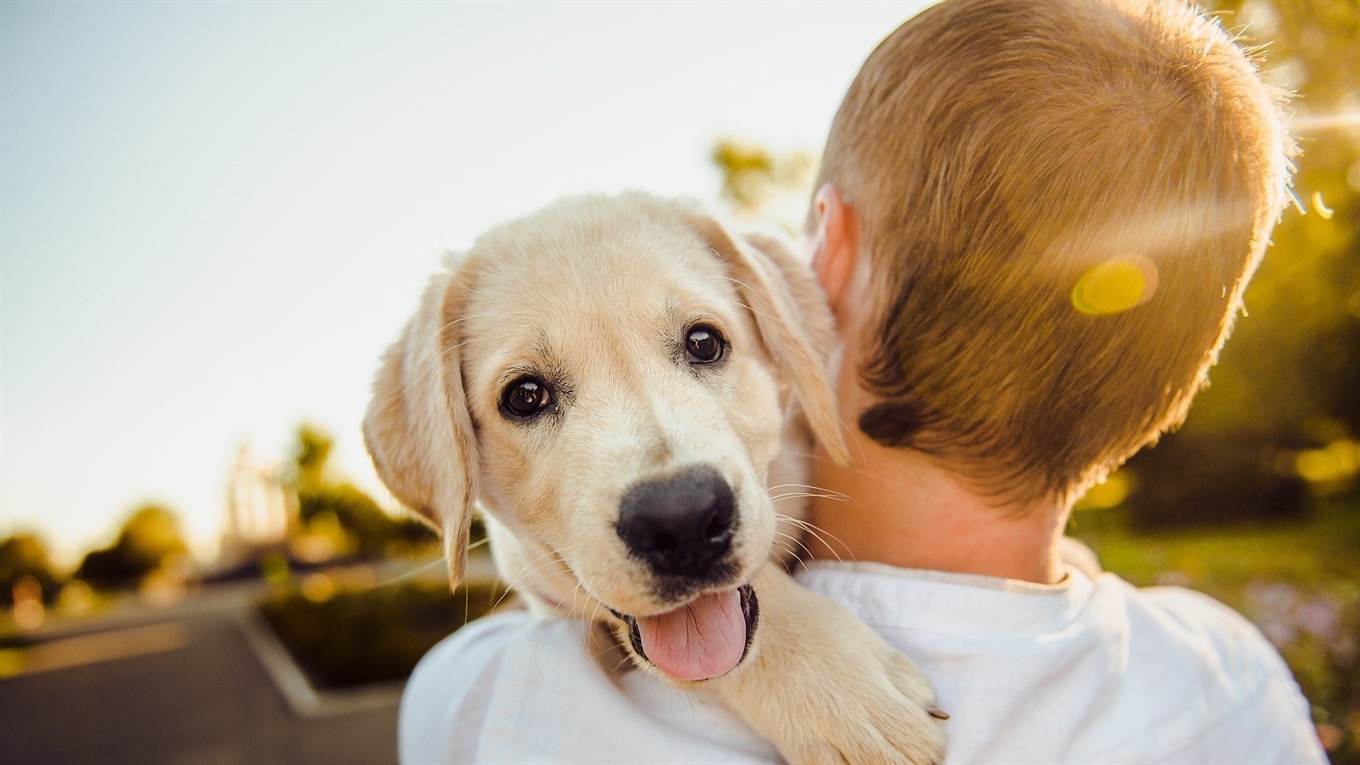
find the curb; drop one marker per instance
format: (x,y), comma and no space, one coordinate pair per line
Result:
(302,698)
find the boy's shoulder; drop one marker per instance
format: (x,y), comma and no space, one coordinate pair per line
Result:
(1228,673)
(1090,670)
(1195,627)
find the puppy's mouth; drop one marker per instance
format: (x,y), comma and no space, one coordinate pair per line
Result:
(705,638)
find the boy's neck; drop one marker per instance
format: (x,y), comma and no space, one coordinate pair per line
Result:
(903,510)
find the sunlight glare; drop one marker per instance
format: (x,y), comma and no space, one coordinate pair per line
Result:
(1115,285)
(1314,123)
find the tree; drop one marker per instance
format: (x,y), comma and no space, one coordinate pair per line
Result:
(757,182)
(1286,382)
(1293,363)
(322,498)
(148,538)
(355,511)
(310,455)
(24,557)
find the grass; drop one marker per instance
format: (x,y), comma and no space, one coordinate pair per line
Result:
(1299,582)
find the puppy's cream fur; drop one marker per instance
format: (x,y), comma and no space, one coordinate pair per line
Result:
(594,295)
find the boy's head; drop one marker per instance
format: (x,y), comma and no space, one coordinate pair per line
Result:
(1060,204)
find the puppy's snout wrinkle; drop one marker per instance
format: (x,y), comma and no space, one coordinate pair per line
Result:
(681,526)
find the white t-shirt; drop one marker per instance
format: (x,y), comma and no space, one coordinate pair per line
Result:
(1087,671)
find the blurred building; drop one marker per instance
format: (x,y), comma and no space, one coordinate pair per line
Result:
(260,509)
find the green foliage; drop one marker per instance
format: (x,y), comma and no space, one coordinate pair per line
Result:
(149,537)
(1199,478)
(341,510)
(24,556)
(755,180)
(355,511)
(1294,361)
(370,635)
(310,455)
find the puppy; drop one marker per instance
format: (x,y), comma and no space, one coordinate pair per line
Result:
(620,383)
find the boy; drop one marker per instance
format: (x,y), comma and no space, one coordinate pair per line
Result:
(1034,224)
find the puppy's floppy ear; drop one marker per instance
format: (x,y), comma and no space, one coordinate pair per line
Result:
(792,316)
(418,429)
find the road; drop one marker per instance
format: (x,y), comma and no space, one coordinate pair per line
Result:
(179,687)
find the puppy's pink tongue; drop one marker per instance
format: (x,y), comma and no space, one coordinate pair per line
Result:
(701,640)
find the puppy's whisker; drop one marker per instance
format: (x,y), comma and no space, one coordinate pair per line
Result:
(828,493)
(412,574)
(464,317)
(595,610)
(798,494)
(530,568)
(819,533)
(444,353)
(797,544)
(543,562)
(571,598)
(750,290)
(432,365)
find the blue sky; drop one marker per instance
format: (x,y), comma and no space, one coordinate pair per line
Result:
(214,216)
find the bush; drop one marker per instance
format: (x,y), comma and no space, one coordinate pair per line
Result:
(149,538)
(24,558)
(365,635)
(1192,479)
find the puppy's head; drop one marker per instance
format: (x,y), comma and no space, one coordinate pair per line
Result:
(610,377)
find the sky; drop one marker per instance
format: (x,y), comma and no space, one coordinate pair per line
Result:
(215,216)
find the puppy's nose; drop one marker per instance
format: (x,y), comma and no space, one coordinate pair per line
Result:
(680,525)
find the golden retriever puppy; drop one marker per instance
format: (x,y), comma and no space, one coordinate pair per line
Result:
(620,383)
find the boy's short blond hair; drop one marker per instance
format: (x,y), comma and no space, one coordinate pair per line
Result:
(1061,203)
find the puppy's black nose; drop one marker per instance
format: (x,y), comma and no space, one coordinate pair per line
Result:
(681,525)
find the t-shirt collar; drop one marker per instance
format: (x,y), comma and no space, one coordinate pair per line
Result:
(960,604)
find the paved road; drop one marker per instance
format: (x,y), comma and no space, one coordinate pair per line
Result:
(182,690)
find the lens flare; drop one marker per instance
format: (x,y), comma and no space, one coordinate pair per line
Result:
(1321,207)
(1115,285)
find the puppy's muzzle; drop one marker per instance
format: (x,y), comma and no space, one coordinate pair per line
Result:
(681,526)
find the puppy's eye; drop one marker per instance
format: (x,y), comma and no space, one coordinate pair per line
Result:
(704,344)
(526,397)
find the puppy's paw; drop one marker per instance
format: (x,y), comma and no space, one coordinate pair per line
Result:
(825,688)
(891,719)
(879,709)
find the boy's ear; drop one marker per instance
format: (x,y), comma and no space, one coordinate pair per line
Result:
(418,429)
(835,253)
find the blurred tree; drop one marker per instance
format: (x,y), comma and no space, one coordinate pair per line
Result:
(355,511)
(1294,363)
(24,556)
(310,455)
(756,182)
(149,538)
(1288,378)
(324,502)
